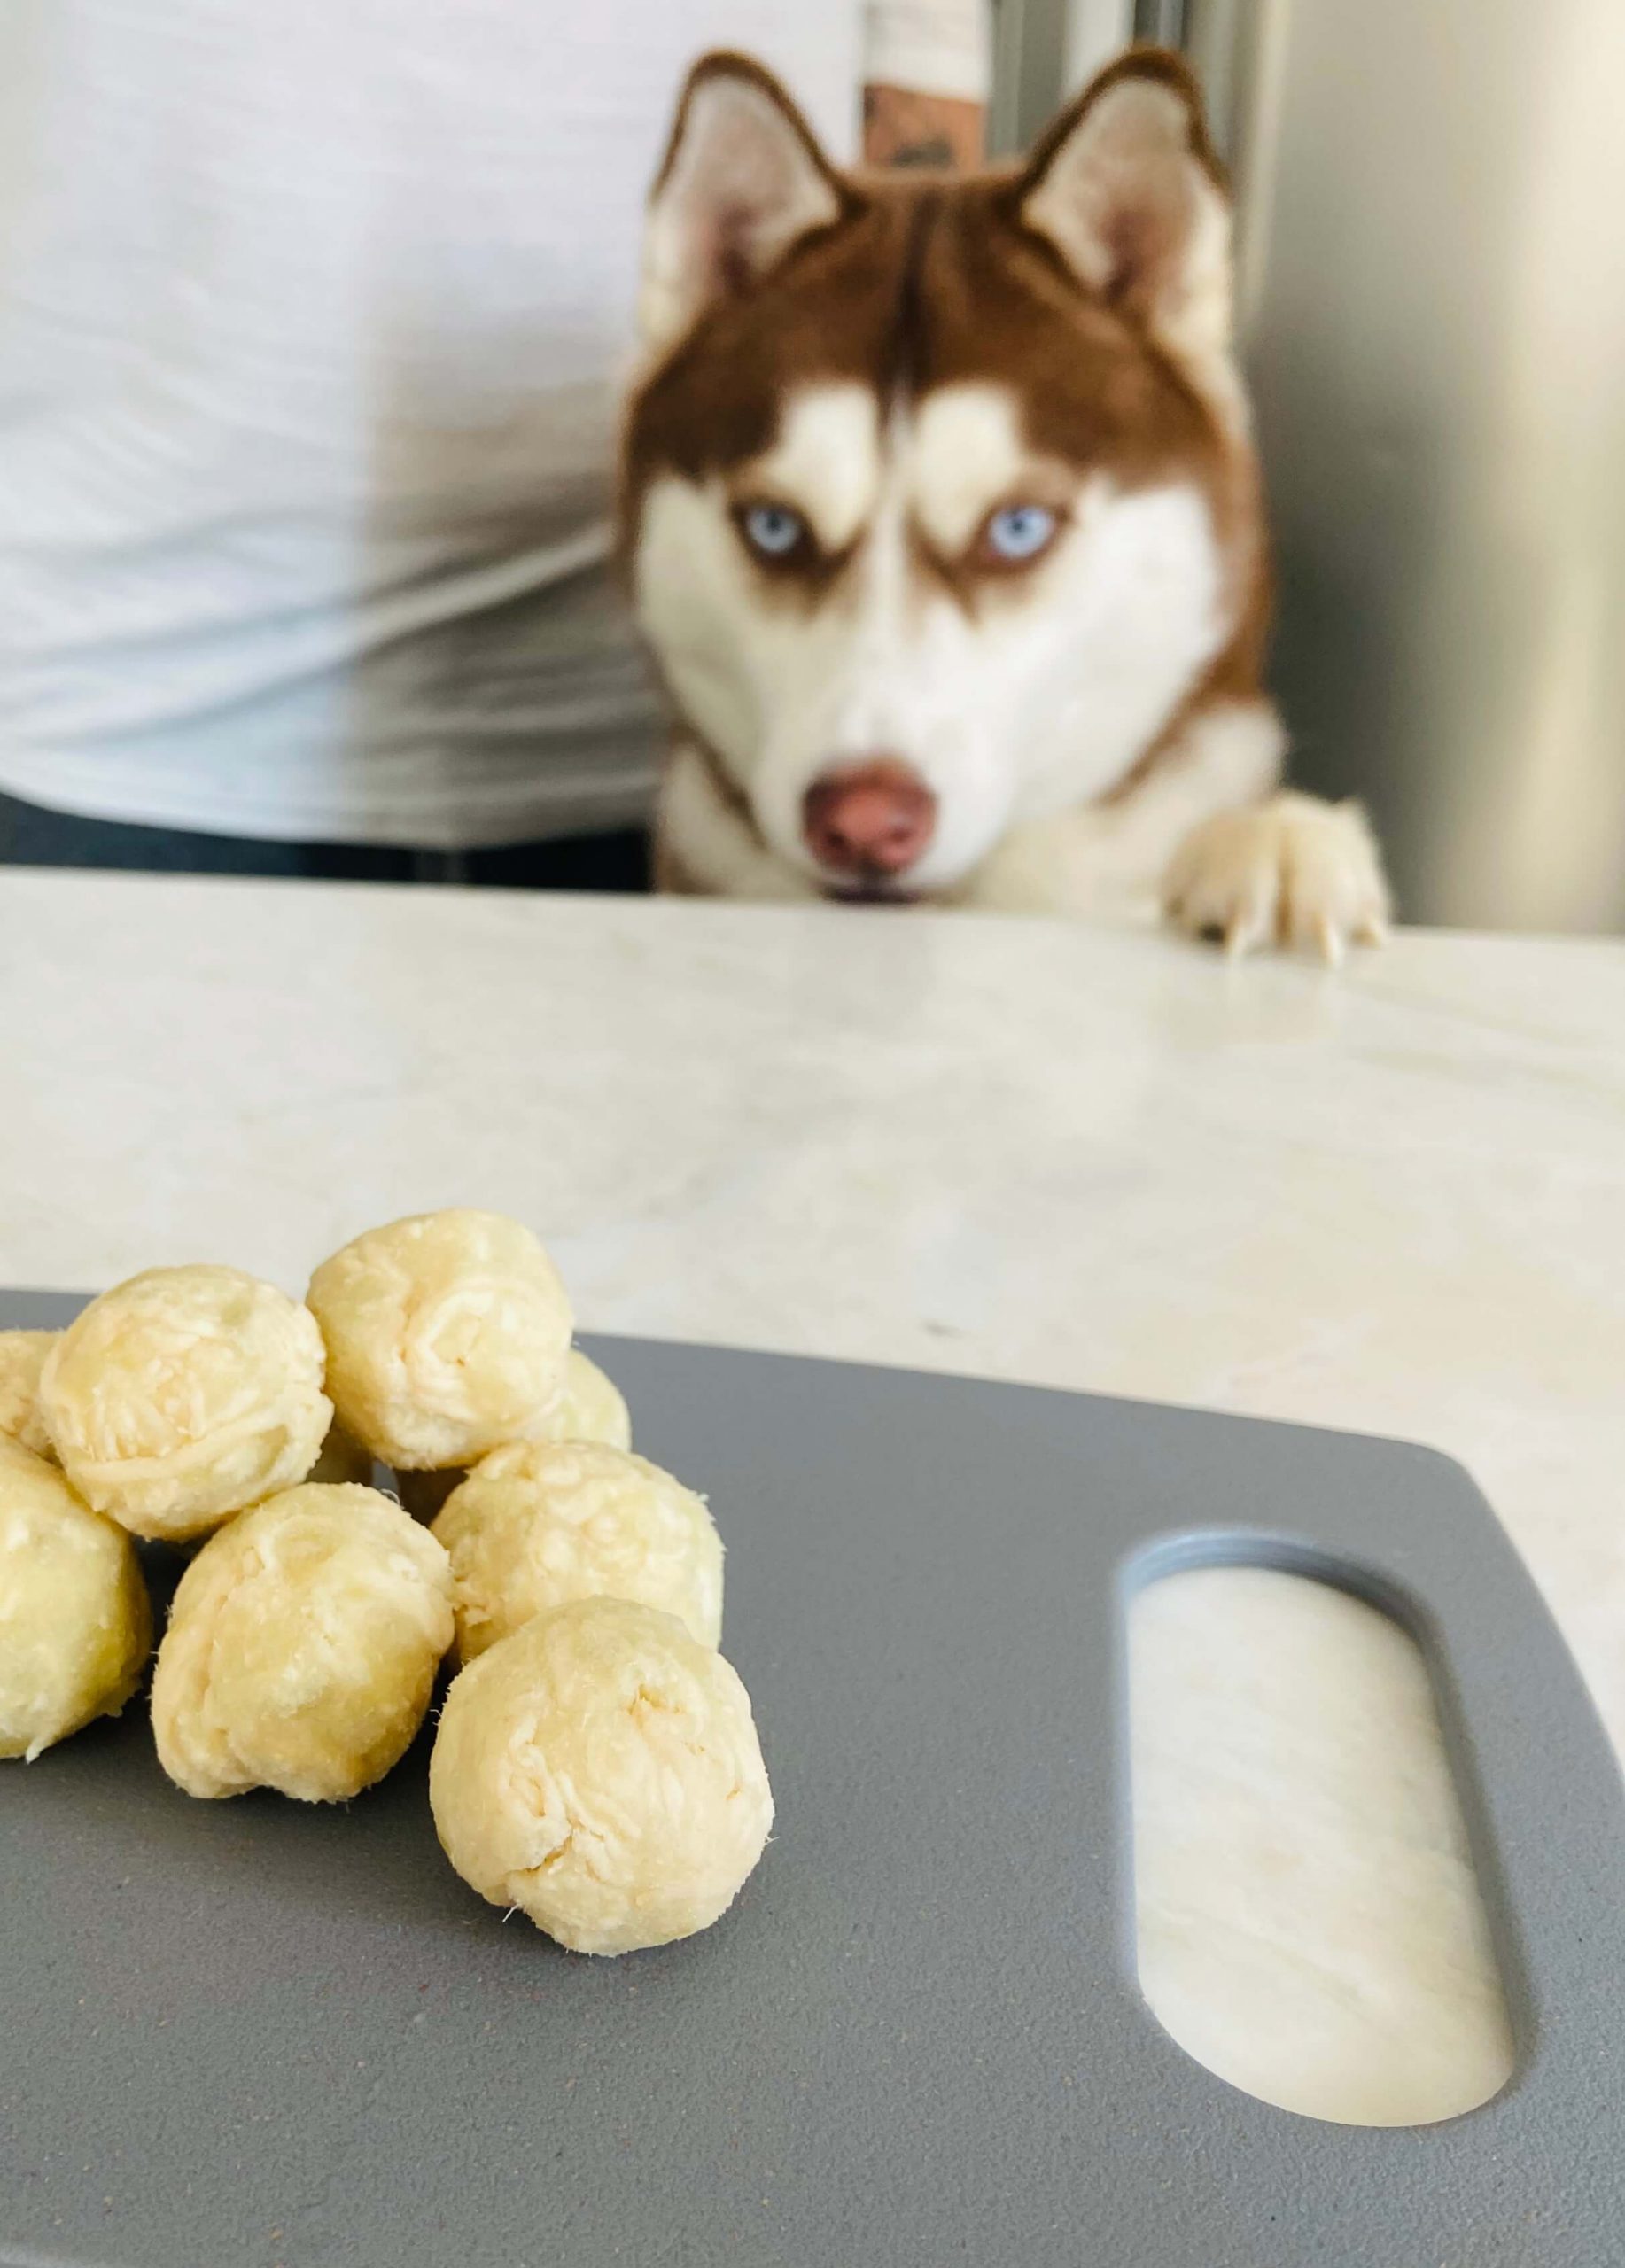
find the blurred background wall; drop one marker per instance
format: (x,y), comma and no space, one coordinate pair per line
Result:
(1431,240)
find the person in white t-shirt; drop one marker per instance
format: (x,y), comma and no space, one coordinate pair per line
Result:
(312,321)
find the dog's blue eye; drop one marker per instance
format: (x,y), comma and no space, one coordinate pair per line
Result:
(773,529)
(1020,530)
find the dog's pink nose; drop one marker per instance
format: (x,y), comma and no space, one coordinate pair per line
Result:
(869,819)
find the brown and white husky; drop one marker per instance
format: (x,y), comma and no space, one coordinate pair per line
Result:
(944,524)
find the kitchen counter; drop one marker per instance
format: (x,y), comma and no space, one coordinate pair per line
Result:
(1391,1198)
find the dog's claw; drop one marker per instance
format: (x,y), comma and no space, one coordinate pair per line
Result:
(1329,937)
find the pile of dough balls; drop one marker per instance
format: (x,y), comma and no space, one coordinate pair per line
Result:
(596,1762)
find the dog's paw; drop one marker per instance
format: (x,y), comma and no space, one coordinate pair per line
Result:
(1289,872)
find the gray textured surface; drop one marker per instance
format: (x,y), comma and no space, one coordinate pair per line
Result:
(253,2033)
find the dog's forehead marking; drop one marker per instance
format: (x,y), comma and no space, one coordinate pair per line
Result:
(825,459)
(965,453)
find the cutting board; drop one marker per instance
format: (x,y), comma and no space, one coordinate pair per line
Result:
(242,2034)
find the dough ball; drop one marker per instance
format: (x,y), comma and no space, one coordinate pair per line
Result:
(540,1523)
(446,1334)
(23,1356)
(75,1628)
(590,1407)
(600,1769)
(302,1648)
(183,1395)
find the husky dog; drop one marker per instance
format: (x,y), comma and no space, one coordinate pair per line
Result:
(944,525)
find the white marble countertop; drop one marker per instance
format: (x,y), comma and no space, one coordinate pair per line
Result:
(1390,1200)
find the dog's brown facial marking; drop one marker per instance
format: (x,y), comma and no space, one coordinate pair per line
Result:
(917,289)
(876,408)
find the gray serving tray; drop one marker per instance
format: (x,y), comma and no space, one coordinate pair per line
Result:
(242,2034)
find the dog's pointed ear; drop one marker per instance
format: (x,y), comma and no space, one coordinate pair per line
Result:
(743,180)
(1126,188)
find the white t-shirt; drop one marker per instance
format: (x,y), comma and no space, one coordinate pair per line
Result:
(312,319)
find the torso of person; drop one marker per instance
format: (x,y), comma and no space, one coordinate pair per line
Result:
(313,320)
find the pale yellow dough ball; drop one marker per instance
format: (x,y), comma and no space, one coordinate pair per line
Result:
(540,1523)
(75,1628)
(446,1335)
(600,1769)
(184,1395)
(23,1356)
(590,1408)
(302,1648)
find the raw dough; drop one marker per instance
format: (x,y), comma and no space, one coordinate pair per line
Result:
(600,1769)
(184,1395)
(22,1356)
(540,1523)
(590,1408)
(446,1334)
(75,1628)
(302,1648)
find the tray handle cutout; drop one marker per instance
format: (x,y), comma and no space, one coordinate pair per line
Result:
(1307,1917)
